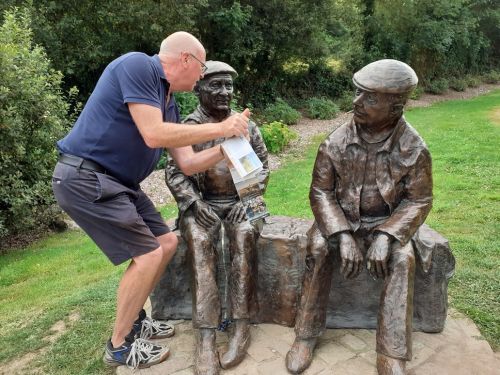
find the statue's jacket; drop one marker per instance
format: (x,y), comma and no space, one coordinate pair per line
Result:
(403,176)
(215,183)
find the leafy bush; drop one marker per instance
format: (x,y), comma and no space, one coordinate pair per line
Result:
(345,101)
(276,136)
(458,84)
(282,112)
(187,102)
(492,77)
(321,108)
(472,81)
(33,115)
(437,86)
(417,93)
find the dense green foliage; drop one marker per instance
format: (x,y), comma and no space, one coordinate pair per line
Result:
(33,115)
(321,108)
(292,48)
(276,136)
(281,111)
(187,102)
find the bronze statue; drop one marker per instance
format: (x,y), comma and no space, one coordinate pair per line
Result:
(371,190)
(206,201)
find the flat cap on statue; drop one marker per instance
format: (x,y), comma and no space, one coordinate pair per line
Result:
(214,67)
(386,76)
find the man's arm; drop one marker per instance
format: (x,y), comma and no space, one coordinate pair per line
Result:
(327,212)
(157,133)
(191,162)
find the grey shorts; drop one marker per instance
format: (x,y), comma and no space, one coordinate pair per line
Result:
(123,222)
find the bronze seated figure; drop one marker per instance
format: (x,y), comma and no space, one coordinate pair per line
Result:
(370,193)
(206,202)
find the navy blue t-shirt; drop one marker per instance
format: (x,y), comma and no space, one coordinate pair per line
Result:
(105,131)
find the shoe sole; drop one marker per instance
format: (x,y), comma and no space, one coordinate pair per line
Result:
(112,363)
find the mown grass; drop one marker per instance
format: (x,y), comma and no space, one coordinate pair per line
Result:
(464,143)
(66,273)
(62,275)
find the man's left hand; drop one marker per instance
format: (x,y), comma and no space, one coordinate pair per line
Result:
(237,214)
(378,255)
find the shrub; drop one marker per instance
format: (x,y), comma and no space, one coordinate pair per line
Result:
(321,108)
(33,116)
(472,81)
(492,77)
(282,112)
(417,93)
(458,84)
(276,136)
(187,102)
(345,101)
(437,86)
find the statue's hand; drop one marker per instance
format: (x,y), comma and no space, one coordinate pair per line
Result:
(237,214)
(377,256)
(351,256)
(204,215)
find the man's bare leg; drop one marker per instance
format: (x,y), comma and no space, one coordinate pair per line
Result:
(137,283)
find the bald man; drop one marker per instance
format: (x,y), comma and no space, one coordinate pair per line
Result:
(130,117)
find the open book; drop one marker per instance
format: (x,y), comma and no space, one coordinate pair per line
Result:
(245,169)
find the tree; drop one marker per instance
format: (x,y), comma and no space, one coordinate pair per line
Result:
(33,115)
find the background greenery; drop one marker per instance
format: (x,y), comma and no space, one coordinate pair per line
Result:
(286,52)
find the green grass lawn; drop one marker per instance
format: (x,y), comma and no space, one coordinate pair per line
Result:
(65,275)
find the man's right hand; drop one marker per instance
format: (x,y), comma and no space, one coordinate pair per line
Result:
(236,124)
(351,256)
(204,215)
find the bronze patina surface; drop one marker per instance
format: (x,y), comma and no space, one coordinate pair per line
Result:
(208,201)
(370,193)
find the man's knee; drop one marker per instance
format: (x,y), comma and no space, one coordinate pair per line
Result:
(150,261)
(168,243)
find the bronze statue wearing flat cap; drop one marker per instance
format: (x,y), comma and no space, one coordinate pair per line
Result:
(206,202)
(371,190)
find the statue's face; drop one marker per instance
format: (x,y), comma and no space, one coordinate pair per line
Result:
(216,92)
(372,109)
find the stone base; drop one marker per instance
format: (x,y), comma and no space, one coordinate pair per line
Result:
(280,268)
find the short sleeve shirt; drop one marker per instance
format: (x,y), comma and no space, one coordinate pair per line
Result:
(105,131)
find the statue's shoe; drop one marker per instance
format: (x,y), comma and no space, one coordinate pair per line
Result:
(238,345)
(206,360)
(299,357)
(390,366)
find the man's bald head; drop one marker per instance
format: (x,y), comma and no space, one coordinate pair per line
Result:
(179,42)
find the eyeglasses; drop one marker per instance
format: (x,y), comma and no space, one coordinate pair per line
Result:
(204,68)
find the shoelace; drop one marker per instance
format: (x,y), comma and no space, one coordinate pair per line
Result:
(150,327)
(141,351)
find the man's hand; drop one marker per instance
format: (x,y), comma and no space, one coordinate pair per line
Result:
(377,256)
(237,214)
(236,124)
(351,256)
(204,215)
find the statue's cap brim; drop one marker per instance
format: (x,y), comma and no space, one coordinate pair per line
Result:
(216,67)
(386,76)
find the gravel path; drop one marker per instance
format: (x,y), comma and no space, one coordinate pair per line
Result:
(154,186)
